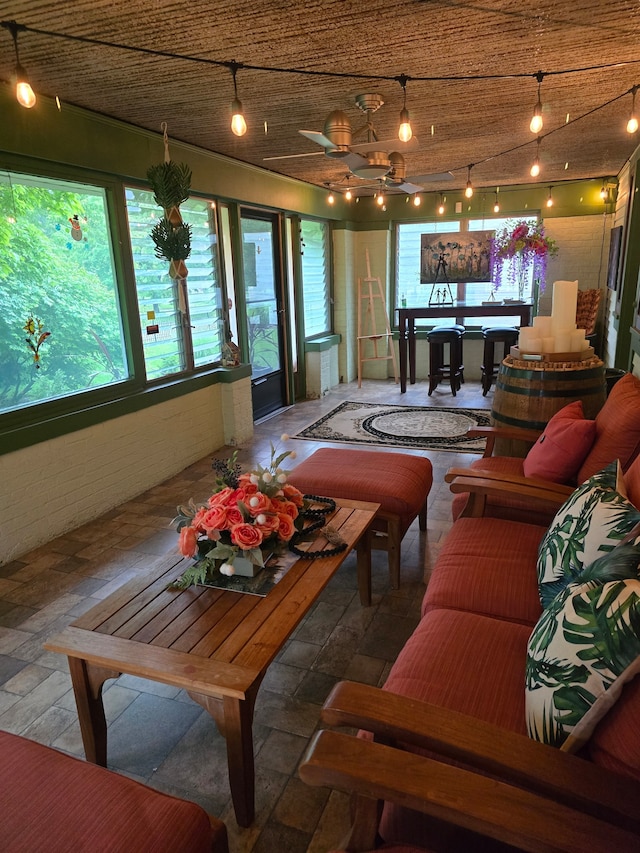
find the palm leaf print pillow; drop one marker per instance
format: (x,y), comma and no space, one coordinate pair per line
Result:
(594,519)
(584,648)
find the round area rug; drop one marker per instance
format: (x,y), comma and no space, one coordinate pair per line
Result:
(419,424)
(418,427)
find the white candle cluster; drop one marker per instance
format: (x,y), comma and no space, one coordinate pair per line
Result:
(557,333)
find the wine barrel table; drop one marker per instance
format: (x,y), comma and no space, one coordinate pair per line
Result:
(528,394)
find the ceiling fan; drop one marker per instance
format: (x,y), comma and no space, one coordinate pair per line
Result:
(394,179)
(368,159)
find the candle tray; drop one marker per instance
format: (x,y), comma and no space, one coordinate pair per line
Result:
(585,355)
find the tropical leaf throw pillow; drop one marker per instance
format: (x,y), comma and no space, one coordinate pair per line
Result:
(584,648)
(592,521)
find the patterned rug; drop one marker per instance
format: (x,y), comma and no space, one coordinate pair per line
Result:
(419,427)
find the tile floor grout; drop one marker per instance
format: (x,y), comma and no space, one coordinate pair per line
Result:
(182,752)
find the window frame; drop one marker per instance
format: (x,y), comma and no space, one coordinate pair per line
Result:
(329,283)
(30,425)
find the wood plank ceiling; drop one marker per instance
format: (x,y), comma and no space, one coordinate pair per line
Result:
(481,118)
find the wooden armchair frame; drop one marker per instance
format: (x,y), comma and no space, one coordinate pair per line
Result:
(510,788)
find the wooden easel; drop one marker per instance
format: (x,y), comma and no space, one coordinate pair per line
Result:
(370,292)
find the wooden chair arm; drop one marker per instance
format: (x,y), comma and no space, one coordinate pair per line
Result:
(511,757)
(491,433)
(480,485)
(475,802)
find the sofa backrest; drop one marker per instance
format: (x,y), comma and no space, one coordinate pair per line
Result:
(617,429)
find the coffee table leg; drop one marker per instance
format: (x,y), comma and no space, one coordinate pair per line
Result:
(363,552)
(238,718)
(87,683)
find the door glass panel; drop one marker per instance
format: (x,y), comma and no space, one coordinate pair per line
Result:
(261,295)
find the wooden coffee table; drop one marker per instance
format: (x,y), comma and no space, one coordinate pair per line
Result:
(213,643)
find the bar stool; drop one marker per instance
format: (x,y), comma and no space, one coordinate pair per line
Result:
(505,335)
(439,368)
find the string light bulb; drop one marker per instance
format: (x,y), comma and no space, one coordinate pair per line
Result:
(535,125)
(535,166)
(496,205)
(380,198)
(238,123)
(549,199)
(441,205)
(25,95)
(416,200)
(330,198)
(603,192)
(632,124)
(348,195)
(405,132)
(469,188)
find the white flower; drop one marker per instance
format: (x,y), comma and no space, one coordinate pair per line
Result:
(267,477)
(254,479)
(254,501)
(261,519)
(293,455)
(281,478)
(227,569)
(284,437)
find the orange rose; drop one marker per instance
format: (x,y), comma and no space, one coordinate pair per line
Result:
(234,516)
(270,524)
(246,536)
(249,487)
(287,507)
(215,518)
(257,503)
(286,527)
(221,497)
(292,494)
(188,542)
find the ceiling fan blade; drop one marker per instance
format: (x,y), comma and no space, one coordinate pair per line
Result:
(434,177)
(318,138)
(387,145)
(354,161)
(293,156)
(406,187)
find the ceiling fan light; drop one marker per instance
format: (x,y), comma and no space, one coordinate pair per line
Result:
(238,123)
(404,131)
(377,166)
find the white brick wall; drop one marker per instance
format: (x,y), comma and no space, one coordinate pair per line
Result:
(58,485)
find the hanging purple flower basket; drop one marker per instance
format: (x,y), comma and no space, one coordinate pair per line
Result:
(525,246)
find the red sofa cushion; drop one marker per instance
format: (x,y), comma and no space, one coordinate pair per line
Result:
(449,660)
(52,801)
(487,566)
(563,446)
(617,429)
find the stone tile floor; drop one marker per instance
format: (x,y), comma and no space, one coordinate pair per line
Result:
(156,733)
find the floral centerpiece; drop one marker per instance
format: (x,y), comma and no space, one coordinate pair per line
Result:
(519,246)
(250,516)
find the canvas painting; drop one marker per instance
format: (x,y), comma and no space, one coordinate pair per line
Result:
(456,257)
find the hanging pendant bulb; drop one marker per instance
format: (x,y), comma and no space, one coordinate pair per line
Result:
(416,200)
(469,188)
(535,167)
(405,133)
(330,198)
(535,125)
(632,124)
(441,205)
(603,192)
(496,205)
(348,195)
(380,199)
(25,95)
(238,123)
(549,199)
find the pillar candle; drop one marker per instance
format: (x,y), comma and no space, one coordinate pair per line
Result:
(563,340)
(564,303)
(548,344)
(529,340)
(578,342)
(542,325)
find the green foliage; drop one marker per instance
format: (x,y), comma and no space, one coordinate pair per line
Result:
(170,183)
(172,243)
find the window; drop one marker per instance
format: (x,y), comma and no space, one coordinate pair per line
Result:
(56,277)
(316,287)
(411,293)
(180,331)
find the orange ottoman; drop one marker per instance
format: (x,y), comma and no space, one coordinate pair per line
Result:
(399,482)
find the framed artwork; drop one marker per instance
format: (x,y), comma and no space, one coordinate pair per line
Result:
(457,257)
(615,244)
